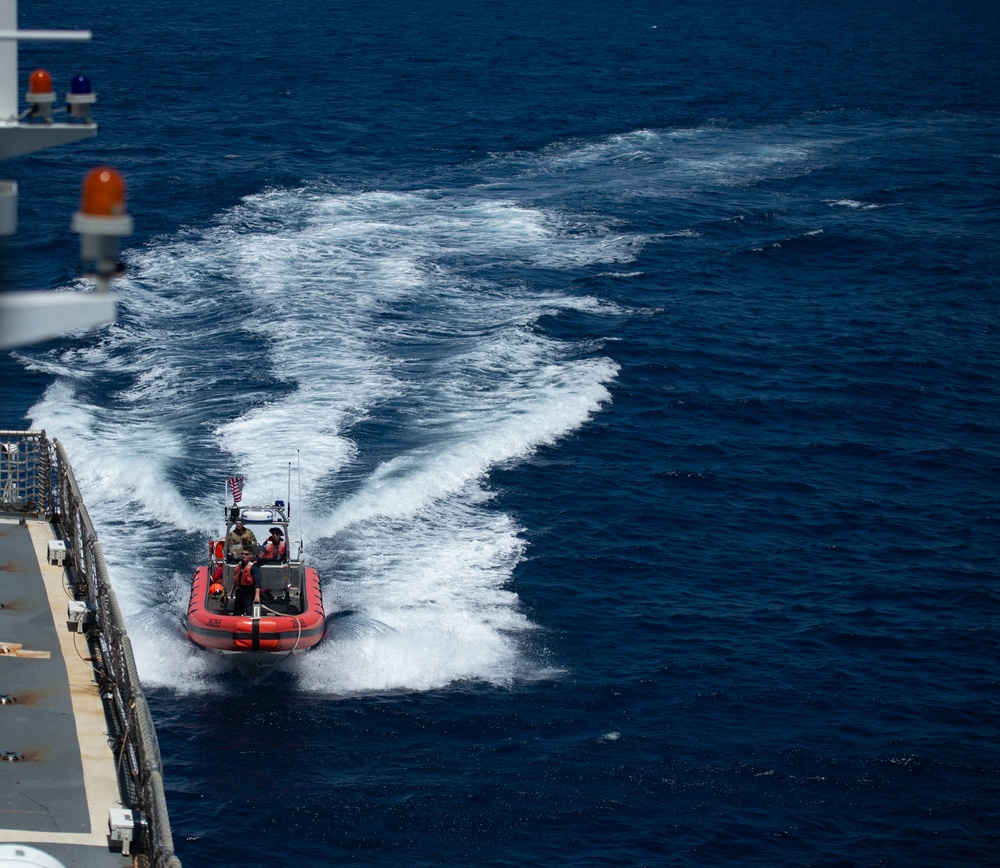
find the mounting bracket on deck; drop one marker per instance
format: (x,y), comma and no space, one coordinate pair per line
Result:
(57,552)
(124,825)
(78,615)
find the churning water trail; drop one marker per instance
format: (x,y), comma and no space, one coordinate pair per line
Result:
(397,342)
(372,334)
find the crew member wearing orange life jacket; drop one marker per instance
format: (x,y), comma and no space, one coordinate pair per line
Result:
(274,546)
(246,584)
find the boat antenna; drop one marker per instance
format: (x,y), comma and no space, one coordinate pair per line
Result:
(298,459)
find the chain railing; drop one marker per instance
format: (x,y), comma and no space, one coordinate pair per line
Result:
(31,483)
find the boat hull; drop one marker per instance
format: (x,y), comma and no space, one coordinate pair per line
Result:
(275,633)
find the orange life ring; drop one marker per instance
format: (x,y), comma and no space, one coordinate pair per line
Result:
(220,550)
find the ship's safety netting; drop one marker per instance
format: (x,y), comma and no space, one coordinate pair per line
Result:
(26,482)
(37,481)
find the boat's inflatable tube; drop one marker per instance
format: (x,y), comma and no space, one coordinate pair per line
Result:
(278,633)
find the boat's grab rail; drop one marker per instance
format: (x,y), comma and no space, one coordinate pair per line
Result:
(36,478)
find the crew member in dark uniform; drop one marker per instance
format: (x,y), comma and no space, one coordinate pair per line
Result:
(246,584)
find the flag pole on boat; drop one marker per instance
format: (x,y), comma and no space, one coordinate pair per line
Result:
(298,459)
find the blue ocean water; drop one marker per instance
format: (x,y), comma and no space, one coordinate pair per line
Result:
(641,364)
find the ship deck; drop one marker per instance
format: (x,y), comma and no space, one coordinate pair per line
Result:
(58,796)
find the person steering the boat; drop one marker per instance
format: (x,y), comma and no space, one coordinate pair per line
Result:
(239,538)
(274,547)
(246,583)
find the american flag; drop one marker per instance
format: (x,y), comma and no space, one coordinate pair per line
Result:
(236,486)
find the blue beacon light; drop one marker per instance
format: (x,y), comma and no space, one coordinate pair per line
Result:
(80,84)
(80,98)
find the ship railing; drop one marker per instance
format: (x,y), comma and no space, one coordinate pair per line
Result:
(36,478)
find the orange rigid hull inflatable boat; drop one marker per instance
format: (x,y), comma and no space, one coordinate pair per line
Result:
(289,617)
(211,627)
